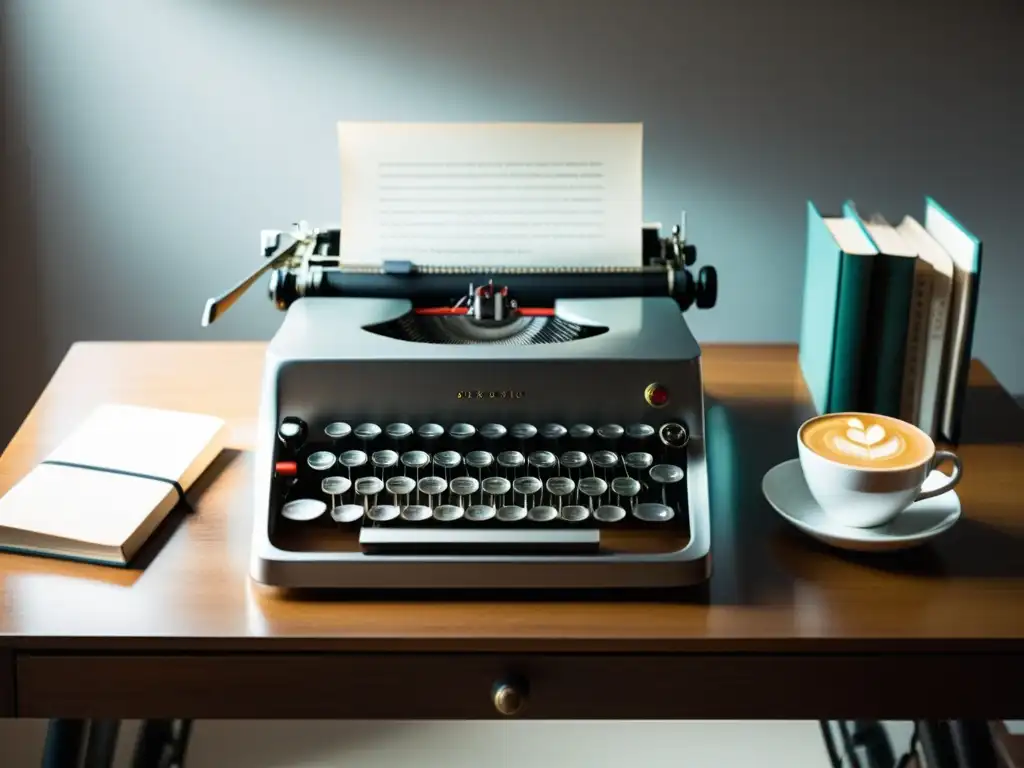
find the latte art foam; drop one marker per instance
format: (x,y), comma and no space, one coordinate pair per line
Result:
(872,443)
(865,440)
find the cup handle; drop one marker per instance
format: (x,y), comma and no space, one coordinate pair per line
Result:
(941,456)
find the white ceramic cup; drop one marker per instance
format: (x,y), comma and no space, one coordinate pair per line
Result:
(866,497)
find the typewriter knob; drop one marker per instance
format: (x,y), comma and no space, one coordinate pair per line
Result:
(707,287)
(292,433)
(673,435)
(510,697)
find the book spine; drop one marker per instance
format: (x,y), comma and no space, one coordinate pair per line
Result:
(817,323)
(918,327)
(890,313)
(933,382)
(954,410)
(852,306)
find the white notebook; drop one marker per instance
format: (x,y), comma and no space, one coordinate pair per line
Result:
(109,484)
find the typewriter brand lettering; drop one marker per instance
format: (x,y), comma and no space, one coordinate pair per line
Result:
(490,394)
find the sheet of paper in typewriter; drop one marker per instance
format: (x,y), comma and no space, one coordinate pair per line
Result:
(512,194)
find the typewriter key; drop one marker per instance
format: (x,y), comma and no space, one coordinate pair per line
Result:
(526,485)
(511,513)
(430,431)
(462,431)
(382,513)
(339,430)
(335,485)
(464,486)
(638,460)
(560,486)
(625,486)
(523,431)
(610,432)
(303,510)
(609,513)
(592,486)
(574,513)
(479,459)
(367,432)
(542,459)
(495,486)
(639,431)
(432,486)
(480,512)
(369,486)
(553,431)
(352,459)
(321,460)
(666,473)
(542,514)
(653,513)
(581,431)
(398,431)
(448,459)
(347,513)
(400,486)
(492,431)
(511,459)
(447,513)
(604,459)
(384,459)
(573,459)
(415,459)
(416,513)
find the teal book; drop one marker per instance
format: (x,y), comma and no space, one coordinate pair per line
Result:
(892,290)
(836,293)
(965,250)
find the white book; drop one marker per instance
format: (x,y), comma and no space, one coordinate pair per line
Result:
(965,250)
(933,285)
(109,484)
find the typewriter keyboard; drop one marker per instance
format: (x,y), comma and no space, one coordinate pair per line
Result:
(426,487)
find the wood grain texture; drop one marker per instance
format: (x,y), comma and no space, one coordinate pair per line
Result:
(773,590)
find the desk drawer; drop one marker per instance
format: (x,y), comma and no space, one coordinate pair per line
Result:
(6,683)
(463,686)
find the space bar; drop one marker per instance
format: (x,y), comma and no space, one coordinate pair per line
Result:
(462,541)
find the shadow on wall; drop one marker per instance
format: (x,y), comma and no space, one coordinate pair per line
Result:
(22,335)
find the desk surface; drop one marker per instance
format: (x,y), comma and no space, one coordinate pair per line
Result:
(773,590)
(772,587)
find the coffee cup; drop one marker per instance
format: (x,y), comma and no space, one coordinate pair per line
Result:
(863,469)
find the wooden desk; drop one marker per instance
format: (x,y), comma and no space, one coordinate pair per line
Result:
(787,628)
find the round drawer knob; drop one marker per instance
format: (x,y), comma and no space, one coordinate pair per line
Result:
(509,698)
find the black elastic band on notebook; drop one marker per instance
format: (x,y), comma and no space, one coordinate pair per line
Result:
(173,483)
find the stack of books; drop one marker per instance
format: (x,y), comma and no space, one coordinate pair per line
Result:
(888,312)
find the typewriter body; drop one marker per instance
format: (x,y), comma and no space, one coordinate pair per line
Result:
(480,428)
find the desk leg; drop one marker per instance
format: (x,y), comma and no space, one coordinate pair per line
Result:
(102,745)
(972,743)
(162,744)
(63,746)
(957,744)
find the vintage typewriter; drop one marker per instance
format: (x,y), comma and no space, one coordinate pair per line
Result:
(464,428)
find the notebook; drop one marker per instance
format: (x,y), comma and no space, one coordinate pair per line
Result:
(109,484)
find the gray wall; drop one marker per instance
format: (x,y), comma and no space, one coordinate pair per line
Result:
(146,143)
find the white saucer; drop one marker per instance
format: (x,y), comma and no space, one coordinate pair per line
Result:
(786,490)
